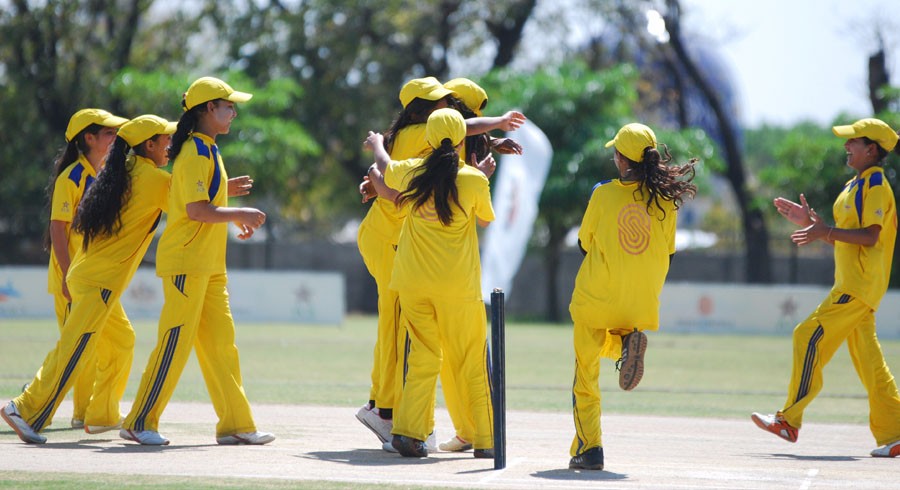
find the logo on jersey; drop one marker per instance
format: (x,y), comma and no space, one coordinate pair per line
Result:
(634,228)
(201,187)
(428,212)
(879,213)
(66,207)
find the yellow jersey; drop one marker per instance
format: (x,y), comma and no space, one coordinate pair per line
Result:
(864,272)
(434,259)
(383,218)
(67,193)
(188,246)
(110,261)
(628,248)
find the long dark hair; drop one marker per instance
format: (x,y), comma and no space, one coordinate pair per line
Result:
(100,211)
(67,155)
(438,180)
(663,182)
(186,125)
(479,144)
(416,112)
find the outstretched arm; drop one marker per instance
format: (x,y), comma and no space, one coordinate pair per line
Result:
(510,121)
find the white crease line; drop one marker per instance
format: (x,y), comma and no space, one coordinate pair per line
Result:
(497,473)
(808,481)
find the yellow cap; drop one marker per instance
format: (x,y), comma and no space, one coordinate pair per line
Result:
(428,88)
(632,140)
(445,123)
(142,128)
(85,117)
(874,129)
(208,88)
(469,92)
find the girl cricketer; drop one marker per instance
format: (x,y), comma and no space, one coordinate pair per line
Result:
(627,232)
(89,134)
(863,235)
(437,275)
(117,218)
(191,261)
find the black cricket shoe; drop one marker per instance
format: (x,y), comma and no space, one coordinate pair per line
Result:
(631,364)
(592,459)
(484,453)
(409,447)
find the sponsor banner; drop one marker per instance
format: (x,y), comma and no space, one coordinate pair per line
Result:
(776,310)
(255,296)
(516,191)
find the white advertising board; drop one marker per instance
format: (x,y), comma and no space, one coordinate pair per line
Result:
(255,296)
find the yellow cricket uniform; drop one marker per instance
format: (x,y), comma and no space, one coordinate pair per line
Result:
(67,193)
(617,288)
(191,261)
(437,273)
(97,322)
(848,313)
(377,241)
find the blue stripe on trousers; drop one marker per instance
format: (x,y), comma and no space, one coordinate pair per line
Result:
(44,414)
(161,373)
(809,363)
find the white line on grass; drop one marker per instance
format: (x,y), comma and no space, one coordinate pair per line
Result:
(496,473)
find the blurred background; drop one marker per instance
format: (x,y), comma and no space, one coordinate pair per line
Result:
(750,88)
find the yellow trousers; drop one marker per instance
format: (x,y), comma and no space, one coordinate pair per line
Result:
(452,332)
(196,314)
(841,317)
(96,338)
(378,255)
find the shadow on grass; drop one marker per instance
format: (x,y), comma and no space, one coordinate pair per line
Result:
(367,457)
(579,475)
(798,457)
(125,448)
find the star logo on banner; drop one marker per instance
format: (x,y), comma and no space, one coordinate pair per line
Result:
(788,307)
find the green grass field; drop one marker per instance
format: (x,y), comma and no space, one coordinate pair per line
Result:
(686,374)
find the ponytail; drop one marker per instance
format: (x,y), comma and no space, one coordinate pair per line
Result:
(663,182)
(437,180)
(67,156)
(100,212)
(186,125)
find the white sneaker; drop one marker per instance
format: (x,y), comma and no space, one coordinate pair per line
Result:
(77,423)
(891,450)
(372,419)
(145,437)
(431,442)
(11,415)
(387,446)
(99,429)
(455,445)
(246,438)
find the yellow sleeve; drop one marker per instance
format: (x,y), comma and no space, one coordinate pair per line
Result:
(671,227)
(874,206)
(195,183)
(484,210)
(65,199)
(588,222)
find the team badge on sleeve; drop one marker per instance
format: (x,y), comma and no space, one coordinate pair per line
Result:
(200,186)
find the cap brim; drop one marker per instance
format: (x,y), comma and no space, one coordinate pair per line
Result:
(844,131)
(239,96)
(113,121)
(609,143)
(437,94)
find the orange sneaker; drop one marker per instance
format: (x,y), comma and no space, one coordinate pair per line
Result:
(776,425)
(891,450)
